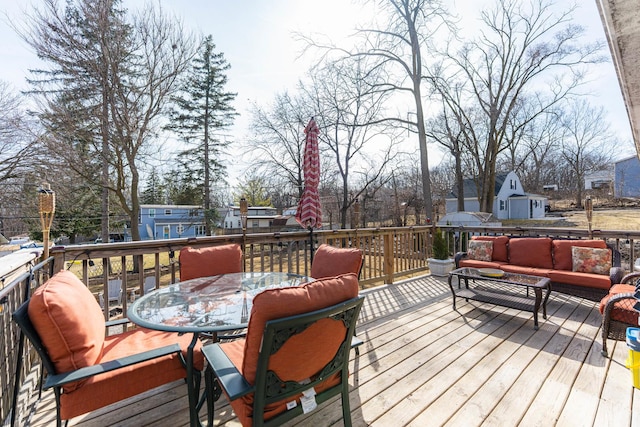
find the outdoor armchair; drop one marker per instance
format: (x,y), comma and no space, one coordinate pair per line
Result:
(297,344)
(617,310)
(86,369)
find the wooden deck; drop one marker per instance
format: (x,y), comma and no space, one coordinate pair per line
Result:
(424,364)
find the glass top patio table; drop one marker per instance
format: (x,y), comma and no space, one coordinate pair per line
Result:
(207,304)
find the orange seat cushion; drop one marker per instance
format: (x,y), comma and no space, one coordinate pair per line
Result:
(531,252)
(562,258)
(69,322)
(329,261)
(500,244)
(110,387)
(623,310)
(315,346)
(211,261)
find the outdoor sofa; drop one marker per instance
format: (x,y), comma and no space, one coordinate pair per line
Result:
(584,268)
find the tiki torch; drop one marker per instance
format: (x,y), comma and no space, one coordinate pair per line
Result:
(47,202)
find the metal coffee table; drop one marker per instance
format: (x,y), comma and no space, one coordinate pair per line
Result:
(502,291)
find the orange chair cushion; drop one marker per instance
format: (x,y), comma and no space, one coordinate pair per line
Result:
(211,261)
(329,261)
(500,252)
(623,310)
(69,321)
(562,259)
(531,252)
(320,340)
(105,389)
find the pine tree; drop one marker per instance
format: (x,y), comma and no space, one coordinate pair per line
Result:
(202,110)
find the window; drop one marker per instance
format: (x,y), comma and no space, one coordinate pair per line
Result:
(167,212)
(512,184)
(501,205)
(152,213)
(255,223)
(239,224)
(201,230)
(166,232)
(179,229)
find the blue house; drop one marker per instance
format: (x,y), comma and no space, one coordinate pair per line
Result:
(171,221)
(510,202)
(627,177)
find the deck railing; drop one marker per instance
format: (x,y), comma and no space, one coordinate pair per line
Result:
(390,254)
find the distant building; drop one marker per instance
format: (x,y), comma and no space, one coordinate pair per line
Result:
(600,180)
(259,218)
(510,202)
(171,221)
(627,177)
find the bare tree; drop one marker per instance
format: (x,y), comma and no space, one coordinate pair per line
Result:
(586,136)
(523,50)
(396,45)
(349,111)
(16,149)
(277,144)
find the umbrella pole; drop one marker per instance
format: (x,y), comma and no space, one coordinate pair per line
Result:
(311,242)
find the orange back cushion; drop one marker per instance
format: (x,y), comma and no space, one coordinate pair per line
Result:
(562,251)
(531,252)
(500,243)
(211,261)
(284,302)
(69,322)
(329,261)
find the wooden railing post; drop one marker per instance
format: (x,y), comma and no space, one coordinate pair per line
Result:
(388,264)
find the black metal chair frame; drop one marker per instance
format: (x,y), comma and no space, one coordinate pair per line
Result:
(222,375)
(615,329)
(57,380)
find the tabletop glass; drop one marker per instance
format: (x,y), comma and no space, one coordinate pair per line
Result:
(207,304)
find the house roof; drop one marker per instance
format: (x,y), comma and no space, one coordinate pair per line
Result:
(470,189)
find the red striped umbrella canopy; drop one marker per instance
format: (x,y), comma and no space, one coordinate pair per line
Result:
(309,213)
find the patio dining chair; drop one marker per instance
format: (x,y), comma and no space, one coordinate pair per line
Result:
(86,369)
(295,355)
(210,261)
(329,261)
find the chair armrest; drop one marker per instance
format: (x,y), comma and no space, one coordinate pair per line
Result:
(629,277)
(229,378)
(615,275)
(58,380)
(459,256)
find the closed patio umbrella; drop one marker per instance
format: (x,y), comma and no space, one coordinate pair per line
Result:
(309,213)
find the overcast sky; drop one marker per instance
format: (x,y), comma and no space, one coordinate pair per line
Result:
(256,39)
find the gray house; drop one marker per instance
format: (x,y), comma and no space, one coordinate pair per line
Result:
(627,177)
(510,202)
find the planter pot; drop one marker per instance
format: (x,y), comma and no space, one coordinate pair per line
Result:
(440,267)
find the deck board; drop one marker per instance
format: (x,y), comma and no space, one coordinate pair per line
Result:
(423,363)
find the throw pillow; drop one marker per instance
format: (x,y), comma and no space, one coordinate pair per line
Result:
(591,260)
(480,250)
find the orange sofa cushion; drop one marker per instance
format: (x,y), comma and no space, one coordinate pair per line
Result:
(585,280)
(531,252)
(562,259)
(500,246)
(320,340)
(329,261)
(69,322)
(211,261)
